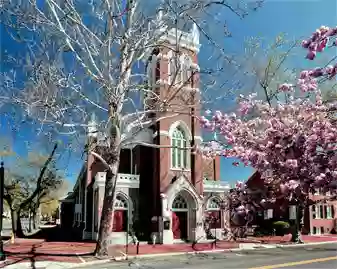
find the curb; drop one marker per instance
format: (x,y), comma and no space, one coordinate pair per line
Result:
(144,256)
(307,244)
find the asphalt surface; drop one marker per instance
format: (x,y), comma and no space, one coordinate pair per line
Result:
(299,257)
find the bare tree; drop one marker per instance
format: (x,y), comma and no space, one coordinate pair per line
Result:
(27,183)
(87,55)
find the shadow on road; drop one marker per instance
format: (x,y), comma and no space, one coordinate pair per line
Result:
(34,255)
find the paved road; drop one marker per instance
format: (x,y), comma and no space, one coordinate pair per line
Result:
(308,257)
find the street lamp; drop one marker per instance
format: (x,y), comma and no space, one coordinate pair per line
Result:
(2,180)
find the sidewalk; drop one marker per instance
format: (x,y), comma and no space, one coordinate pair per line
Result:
(37,253)
(34,251)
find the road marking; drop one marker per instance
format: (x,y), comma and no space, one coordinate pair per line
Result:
(295,263)
(80,258)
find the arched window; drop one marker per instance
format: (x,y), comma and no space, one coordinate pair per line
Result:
(179,152)
(152,71)
(213,204)
(179,203)
(121,203)
(186,70)
(174,70)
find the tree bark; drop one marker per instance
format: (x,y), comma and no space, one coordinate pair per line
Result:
(296,231)
(30,221)
(107,213)
(34,220)
(113,158)
(16,223)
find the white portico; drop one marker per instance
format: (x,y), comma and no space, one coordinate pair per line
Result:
(123,206)
(182,210)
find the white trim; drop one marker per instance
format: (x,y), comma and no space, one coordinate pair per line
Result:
(100,178)
(185,39)
(183,125)
(123,180)
(216,186)
(166,133)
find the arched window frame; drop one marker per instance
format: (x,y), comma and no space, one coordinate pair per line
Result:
(213,204)
(180,141)
(151,71)
(186,73)
(179,203)
(179,155)
(121,203)
(174,68)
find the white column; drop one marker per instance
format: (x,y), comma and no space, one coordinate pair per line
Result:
(85,212)
(93,234)
(167,216)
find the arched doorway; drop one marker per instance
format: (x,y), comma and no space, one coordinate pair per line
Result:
(183,216)
(120,220)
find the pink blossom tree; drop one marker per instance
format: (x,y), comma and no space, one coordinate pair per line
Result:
(295,141)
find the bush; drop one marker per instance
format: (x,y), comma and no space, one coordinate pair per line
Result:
(281,227)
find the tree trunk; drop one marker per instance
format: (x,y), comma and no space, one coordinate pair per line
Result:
(296,231)
(108,207)
(16,223)
(30,221)
(34,221)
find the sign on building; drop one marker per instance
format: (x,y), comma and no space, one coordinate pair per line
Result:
(292,212)
(268,214)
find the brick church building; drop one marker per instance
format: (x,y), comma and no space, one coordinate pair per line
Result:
(162,192)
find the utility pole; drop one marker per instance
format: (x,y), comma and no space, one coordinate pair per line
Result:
(2,180)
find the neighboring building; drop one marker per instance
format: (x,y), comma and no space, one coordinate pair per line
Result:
(166,192)
(323,216)
(319,217)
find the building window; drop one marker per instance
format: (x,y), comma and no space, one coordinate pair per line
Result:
(322,230)
(175,67)
(321,212)
(120,203)
(152,71)
(328,209)
(179,203)
(268,214)
(313,208)
(179,152)
(213,204)
(186,70)
(180,69)
(314,230)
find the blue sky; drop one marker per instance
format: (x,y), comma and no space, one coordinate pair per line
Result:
(295,18)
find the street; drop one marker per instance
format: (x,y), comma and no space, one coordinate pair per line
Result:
(309,257)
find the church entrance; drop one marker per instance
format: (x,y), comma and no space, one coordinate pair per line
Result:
(181,218)
(179,225)
(120,219)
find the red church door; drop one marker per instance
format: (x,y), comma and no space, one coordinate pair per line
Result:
(179,225)
(175,226)
(118,221)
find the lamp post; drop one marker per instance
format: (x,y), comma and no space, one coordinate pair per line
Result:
(2,179)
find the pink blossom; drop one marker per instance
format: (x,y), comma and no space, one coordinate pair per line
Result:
(286,87)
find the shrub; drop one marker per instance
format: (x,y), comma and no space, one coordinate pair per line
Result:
(281,227)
